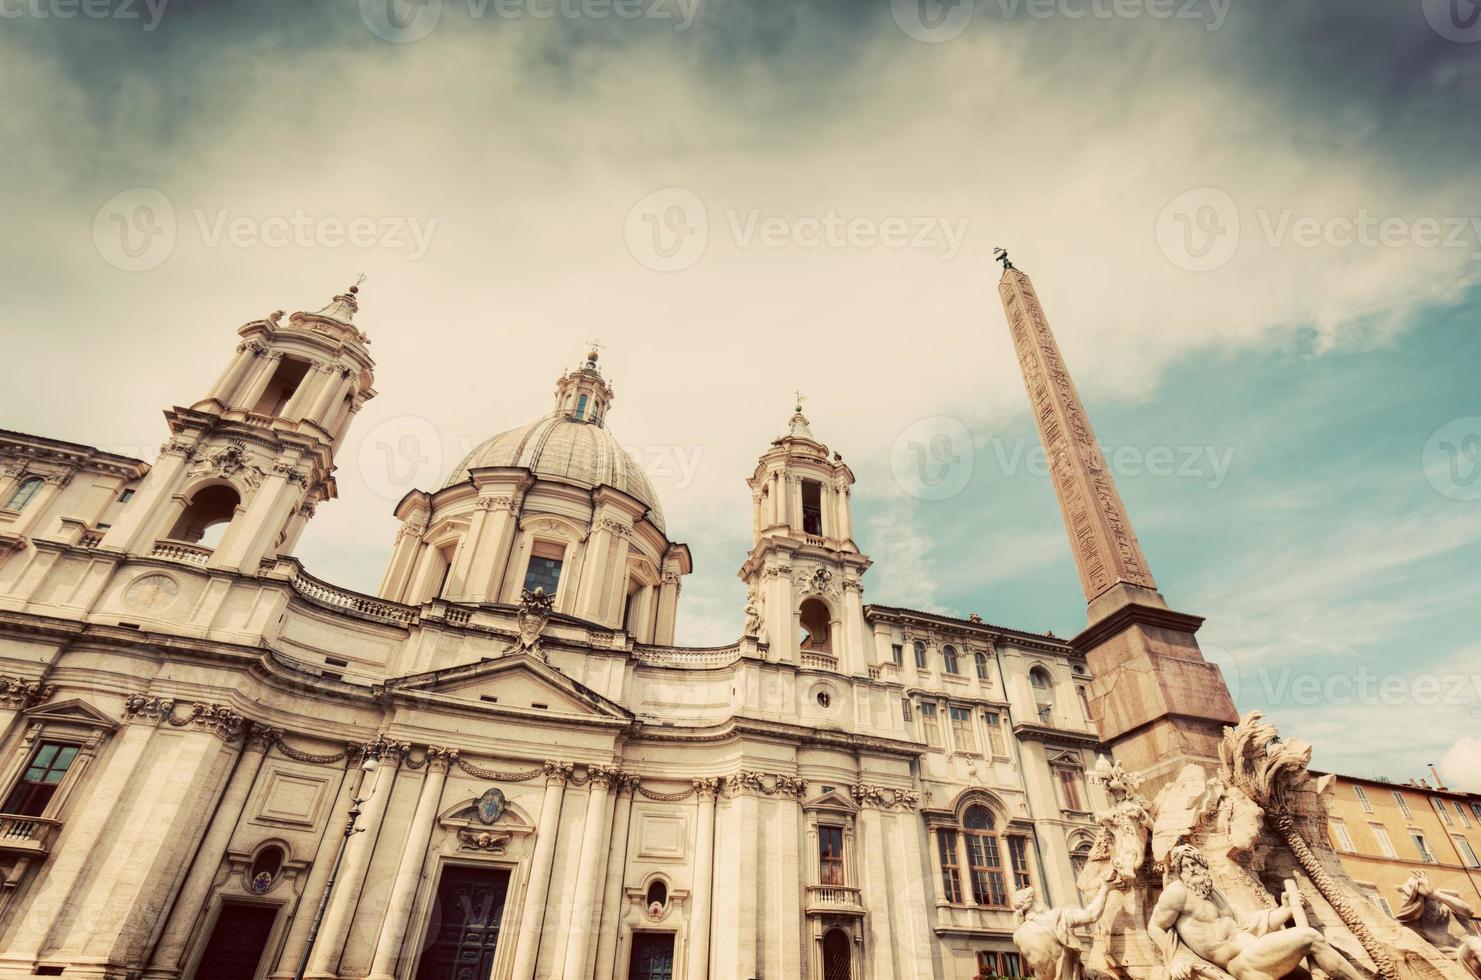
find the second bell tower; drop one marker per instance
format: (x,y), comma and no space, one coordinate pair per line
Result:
(804,572)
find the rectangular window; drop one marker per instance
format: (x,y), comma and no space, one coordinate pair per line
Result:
(986,865)
(1403,805)
(1363,798)
(929,724)
(1476,809)
(897,654)
(994,724)
(1460,811)
(1464,847)
(951,875)
(1423,847)
(920,656)
(1018,860)
(1342,838)
(126,496)
(905,708)
(38,784)
(1385,844)
(1069,789)
(544,571)
(1010,965)
(1084,700)
(830,856)
(1439,806)
(812,507)
(961,730)
(981,661)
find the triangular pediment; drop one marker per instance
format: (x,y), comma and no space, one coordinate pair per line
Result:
(831,800)
(73,711)
(516,681)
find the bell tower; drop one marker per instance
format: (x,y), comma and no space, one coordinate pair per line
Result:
(804,572)
(246,465)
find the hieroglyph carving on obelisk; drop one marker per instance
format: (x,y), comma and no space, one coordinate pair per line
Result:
(1105,547)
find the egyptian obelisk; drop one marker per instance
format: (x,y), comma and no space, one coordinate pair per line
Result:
(1157,703)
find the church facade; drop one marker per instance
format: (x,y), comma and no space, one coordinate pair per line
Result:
(218,766)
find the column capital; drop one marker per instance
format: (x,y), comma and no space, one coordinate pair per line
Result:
(706,789)
(440,759)
(557,772)
(143,709)
(261,738)
(604,777)
(20,694)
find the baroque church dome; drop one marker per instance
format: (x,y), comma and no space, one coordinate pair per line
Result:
(562,447)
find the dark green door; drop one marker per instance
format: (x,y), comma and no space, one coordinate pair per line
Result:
(464,932)
(237,942)
(653,956)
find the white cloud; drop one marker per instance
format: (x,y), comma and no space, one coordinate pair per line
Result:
(1460,766)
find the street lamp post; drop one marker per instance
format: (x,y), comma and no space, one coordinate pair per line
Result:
(367,767)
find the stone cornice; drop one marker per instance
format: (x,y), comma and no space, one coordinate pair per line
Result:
(1134,614)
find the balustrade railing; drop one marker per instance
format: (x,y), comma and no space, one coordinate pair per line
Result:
(328,595)
(183,551)
(820,661)
(27,833)
(692,657)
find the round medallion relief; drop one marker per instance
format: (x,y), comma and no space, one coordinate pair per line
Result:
(149,593)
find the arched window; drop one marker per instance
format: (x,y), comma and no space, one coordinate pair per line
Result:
(1043,686)
(816,626)
(920,655)
(949,660)
(24,493)
(657,898)
(980,659)
(1080,856)
(838,961)
(984,857)
(207,516)
(266,867)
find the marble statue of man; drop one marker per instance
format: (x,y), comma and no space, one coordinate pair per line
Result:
(1429,911)
(1198,933)
(1046,937)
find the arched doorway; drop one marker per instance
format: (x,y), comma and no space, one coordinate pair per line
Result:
(837,956)
(817,626)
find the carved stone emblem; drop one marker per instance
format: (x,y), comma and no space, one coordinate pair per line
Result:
(151,592)
(490,806)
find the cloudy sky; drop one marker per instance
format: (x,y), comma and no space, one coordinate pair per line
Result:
(1254,226)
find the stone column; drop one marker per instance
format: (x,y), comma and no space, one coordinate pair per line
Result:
(170,950)
(611,908)
(50,898)
(337,381)
(324,962)
(668,607)
(231,378)
(588,874)
(527,946)
(409,870)
(257,381)
(458,580)
(309,390)
(154,495)
(870,859)
(403,558)
(700,888)
(845,520)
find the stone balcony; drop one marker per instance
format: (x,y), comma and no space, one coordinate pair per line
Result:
(27,835)
(834,900)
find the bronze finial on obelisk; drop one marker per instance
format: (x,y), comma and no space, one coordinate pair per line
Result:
(1156,702)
